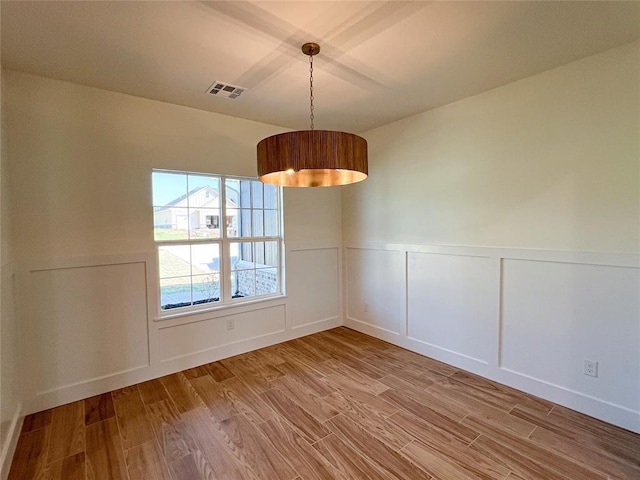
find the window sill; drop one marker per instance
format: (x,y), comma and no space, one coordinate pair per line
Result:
(222,310)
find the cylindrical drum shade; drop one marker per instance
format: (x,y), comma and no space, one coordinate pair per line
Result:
(312,158)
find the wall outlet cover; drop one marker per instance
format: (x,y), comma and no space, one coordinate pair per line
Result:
(591,368)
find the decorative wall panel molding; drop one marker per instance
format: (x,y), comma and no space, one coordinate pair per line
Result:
(315,285)
(10,381)
(90,324)
(449,303)
(525,318)
(84,321)
(555,315)
(10,443)
(375,288)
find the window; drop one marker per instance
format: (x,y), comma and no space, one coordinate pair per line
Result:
(201,261)
(213,221)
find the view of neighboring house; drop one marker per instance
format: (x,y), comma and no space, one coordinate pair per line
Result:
(197,211)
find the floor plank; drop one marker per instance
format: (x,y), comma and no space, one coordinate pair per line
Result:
(341,374)
(213,446)
(30,458)
(337,344)
(269,357)
(346,460)
(357,364)
(219,372)
(439,466)
(133,422)
(104,454)
(422,404)
(311,381)
(171,432)
(362,347)
(187,468)
(578,452)
(98,408)
(509,448)
(515,476)
(305,349)
(450,444)
(72,467)
(67,431)
(243,400)
(296,354)
(304,459)
(196,372)
(371,344)
(371,419)
(255,451)
(483,413)
(308,426)
(388,460)
(145,462)
(36,421)
(152,391)
(181,392)
(218,400)
(494,392)
(398,368)
(305,398)
(625,447)
(365,400)
(625,442)
(255,373)
(426,424)
(419,361)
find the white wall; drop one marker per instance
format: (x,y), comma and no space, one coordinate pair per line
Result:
(486,210)
(80,162)
(10,405)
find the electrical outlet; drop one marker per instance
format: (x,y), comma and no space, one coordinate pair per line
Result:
(231,324)
(366,307)
(591,368)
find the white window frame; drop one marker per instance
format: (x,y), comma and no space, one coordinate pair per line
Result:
(226,295)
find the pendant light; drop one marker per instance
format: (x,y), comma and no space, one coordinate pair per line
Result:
(312,158)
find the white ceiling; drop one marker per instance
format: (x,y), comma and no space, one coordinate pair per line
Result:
(380,61)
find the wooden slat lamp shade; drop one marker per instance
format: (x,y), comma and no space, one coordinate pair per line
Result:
(312,158)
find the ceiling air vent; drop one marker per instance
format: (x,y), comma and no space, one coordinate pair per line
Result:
(225,90)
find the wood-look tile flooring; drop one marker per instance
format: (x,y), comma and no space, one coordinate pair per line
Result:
(334,405)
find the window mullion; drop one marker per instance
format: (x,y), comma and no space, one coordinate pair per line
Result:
(225,260)
(257,239)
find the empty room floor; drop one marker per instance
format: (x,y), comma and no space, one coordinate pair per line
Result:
(334,405)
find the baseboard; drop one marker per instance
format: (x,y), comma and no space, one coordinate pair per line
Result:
(9,448)
(374,328)
(594,407)
(85,389)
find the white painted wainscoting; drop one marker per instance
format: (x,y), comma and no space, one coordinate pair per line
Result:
(11,411)
(90,324)
(525,318)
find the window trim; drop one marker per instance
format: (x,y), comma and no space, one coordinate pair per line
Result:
(224,241)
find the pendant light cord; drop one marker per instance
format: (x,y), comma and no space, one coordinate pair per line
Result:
(311,89)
